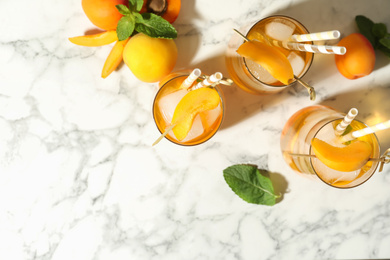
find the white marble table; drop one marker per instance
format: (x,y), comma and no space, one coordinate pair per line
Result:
(80,180)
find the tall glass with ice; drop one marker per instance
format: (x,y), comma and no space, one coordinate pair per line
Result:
(205,123)
(249,75)
(319,122)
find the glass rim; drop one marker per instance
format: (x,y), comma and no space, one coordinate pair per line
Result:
(220,94)
(374,170)
(294,81)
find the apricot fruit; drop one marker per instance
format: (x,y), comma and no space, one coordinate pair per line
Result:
(103,13)
(173,9)
(345,159)
(193,103)
(167,9)
(359,60)
(270,58)
(150,59)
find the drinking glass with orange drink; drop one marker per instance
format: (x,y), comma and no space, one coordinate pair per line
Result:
(252,77)
(313,147)
(188,109)
(276,52)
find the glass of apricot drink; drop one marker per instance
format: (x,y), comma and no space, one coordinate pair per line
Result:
(311,148)
(187,116)
(252,77)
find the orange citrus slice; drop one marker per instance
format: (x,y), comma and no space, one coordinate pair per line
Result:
(270,58)
(190,105)
(345,159)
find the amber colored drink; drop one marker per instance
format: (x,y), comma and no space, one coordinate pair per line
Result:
(205,123)
(320,122)
(249,75)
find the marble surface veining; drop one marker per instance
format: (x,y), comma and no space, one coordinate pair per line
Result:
(80,180)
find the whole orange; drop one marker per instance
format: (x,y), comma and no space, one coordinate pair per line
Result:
(103,13)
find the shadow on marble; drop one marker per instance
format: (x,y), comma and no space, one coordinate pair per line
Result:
(93,31)
(372,104)
(189,36)
(333,14)
(279,182)
(240,105)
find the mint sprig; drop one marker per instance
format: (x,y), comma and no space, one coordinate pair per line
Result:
(376,33)
(250,185)
(150,24)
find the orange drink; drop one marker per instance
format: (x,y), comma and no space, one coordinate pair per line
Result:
(252,77)
(190,117)
(311,148)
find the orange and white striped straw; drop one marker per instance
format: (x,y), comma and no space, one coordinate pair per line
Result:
(329,35)
(325,49)
(194,75)
(365,131)
(340,128)
(214,78)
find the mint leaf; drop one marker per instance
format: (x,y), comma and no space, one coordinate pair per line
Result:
(250,185)
(123,10)
(385,41)
(139,5)
(365,26)
(155,26)
(347,130)
(135,5)
(385,50)
(379,30)
(376,33)
(138,18)
(125,27)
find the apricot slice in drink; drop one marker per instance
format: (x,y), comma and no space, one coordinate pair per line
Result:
(345,159)
(194,102)
(270,58)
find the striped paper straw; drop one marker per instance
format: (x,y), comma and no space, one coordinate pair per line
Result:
(365,131)
(330,35)
(208,81)
(195,74)
(325,49)
(340,128)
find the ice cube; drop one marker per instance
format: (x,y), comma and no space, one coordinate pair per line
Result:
(332,176)
(196,129)
(297,63)
(328,134)
(279,29)
(168,103)
(259,72)
(256,35)
(209,117)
